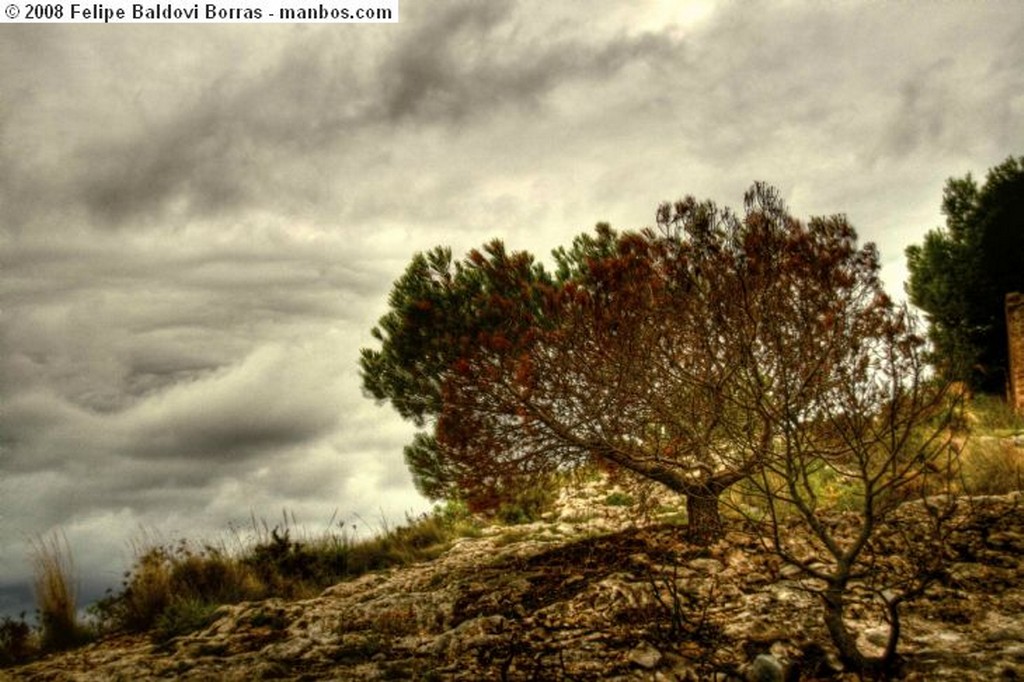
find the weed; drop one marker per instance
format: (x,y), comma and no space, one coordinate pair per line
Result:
(457,519)
(619,499)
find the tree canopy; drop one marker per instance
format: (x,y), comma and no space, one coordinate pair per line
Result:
(960,274)
(678,354)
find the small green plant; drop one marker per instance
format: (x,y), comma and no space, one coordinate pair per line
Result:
(173,580)
(619,499)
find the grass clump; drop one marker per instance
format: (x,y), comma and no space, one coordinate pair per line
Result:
(992,466)
(55,592)
(991,462)
(992,415)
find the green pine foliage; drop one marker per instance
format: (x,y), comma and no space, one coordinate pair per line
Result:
(961,273)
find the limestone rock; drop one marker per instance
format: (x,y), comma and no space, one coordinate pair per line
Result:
(611,599)
(765,668)
(645,656)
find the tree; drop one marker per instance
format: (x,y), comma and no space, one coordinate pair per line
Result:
(441,312)
(645,354)
(960,275)
(876,429)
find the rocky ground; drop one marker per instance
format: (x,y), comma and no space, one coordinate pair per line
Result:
(589,593)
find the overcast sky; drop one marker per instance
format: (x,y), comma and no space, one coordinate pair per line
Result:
(200,224)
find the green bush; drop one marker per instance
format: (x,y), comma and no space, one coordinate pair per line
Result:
(164,579)
(457,518)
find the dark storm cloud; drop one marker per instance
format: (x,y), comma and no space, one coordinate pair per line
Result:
(242,138)
(465,63)
(279,395)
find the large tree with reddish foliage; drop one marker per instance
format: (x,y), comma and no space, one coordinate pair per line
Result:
(675,354)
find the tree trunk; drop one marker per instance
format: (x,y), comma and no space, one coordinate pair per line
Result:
(853,660)
(703,520)
(844,641)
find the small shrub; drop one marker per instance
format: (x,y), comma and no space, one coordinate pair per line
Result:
(457,519)
(422,532)
(528,504)
(212,576)
(146,593)
(283,561)
(182,617)
(513,515)
(16,644)
(165,577)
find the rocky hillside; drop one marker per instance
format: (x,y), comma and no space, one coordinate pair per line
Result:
(589,593)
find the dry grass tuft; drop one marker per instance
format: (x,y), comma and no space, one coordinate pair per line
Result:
(992,466)
(55,591)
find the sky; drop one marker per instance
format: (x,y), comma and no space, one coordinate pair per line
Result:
(200,225)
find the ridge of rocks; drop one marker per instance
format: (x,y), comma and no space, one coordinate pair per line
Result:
(587,594)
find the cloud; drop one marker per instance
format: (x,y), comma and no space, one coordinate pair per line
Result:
(448,70)
(273,135)
(277,397)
